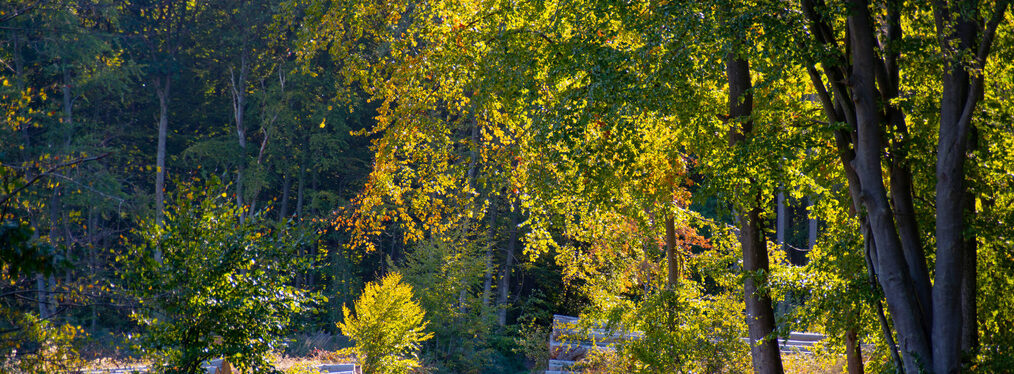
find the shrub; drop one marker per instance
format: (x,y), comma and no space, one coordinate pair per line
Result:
(687,332)
(221,288)
(387,328)
(28,342)
(34,345)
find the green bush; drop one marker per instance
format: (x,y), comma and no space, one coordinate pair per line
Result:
(387,328)
(221,288)
(685,331)
(29,343)
(34,345)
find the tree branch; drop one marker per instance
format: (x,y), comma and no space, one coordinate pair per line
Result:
(990,32)
(6,199)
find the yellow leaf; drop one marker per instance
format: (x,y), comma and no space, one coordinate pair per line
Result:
(322,122)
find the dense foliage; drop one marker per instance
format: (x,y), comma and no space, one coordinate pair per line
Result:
(388,326)
(687,172)
(219,287)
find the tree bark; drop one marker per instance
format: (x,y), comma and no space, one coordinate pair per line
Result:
(869,249)
(760,316)
(853,353)
(238,86)
(837,109)
(811,224)
(283,210)
(950,188)
(901,174)
(969,282)
(505,277)
(931,321)
(68,107)
(895,278)
(671,257)
(162,85)
(300,185)
(487,283)
(782,222)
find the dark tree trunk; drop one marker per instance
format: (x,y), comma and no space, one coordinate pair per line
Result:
(969,283)
(671,257)
(782,222)
(901,174)
(839,109)
(932,323)
(487,283)
(853,354)
(869,249)
(902,298)
(283,210)
(760,317)
(957,29)
(811,227)
(238,86)
(162,85)
(301,183)
(505,276)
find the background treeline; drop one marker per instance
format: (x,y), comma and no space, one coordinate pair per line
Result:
(117,112)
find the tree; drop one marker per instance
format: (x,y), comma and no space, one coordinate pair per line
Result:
(222,287)
(759,312)
(928,321)
(162,28)
(387,327)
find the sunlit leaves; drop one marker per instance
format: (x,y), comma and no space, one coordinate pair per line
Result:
(221,287)
(388,326)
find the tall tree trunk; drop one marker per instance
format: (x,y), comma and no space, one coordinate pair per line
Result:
(68,104)
(41,291)
(840,106)
(505,277)
(487,283)
(55,207)
(782,222)
(40,281)
(300,185)
(283,210)
(671,257)
(895,279)
(969,283)
(238,88)
(958,31)
(853,354)
(760,316)
(162,85)
(811,224)
(929,326)
(869,250)
(900,172)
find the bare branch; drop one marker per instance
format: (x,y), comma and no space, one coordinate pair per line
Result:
(6,199)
